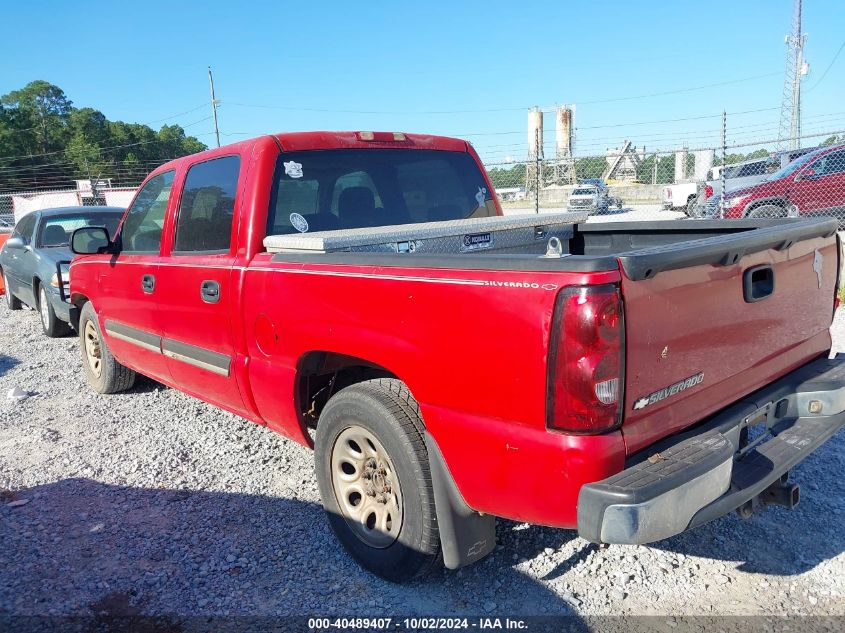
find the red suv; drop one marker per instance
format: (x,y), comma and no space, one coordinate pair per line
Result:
(813,184)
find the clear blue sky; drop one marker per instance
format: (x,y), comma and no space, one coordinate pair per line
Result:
(400,66)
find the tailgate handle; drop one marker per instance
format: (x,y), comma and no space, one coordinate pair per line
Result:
(758,282)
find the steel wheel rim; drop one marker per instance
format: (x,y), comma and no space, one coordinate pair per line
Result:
(366,487)
(93,353)
(44,308)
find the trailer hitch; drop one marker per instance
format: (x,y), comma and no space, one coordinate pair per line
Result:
(780,493)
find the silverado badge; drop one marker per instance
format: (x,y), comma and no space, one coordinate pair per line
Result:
(671,390)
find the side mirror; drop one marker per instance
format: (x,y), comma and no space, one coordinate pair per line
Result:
(15,243)
(90,240)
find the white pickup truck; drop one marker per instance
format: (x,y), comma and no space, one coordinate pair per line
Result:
(592,199)
(681,196)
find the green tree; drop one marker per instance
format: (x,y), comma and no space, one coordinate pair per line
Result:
(46,141)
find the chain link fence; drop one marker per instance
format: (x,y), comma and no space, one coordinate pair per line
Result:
(741,178)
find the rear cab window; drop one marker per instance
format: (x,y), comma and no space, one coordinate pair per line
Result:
(325,190)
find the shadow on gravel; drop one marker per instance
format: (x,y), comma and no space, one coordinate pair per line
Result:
(776,540)
(7,363)
(83,548)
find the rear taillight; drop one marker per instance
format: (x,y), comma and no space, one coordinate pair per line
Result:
(708,191)
(585,379)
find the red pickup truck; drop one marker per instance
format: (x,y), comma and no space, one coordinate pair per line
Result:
(359,293)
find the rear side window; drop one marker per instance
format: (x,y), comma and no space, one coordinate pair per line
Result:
(207,207)
(833,163)
(141,232)
(25,227)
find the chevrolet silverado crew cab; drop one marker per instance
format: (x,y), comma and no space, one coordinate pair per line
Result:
(360,293)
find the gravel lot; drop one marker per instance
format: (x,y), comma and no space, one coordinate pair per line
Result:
(153,502)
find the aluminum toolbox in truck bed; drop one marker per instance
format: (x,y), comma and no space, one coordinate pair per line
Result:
(504,234)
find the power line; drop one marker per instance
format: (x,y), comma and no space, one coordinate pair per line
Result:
(829,66)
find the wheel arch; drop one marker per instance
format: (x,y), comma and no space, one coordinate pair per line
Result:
(761,202)
(77,302)
(321,373)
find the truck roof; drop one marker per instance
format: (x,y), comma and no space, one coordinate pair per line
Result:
(323,140)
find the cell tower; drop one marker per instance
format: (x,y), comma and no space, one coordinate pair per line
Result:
(789,134)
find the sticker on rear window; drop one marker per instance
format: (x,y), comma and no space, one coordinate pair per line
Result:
(293,169)
(299,222)
(479,197)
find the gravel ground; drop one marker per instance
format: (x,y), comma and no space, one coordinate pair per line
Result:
(153,502)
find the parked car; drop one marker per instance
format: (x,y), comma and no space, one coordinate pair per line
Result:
(359,293)
(738,175)
(36,258)
(812,184)
(592,199)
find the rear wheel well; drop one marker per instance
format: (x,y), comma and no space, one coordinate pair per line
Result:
(322,374)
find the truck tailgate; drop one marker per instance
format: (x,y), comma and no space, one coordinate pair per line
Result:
(697,340)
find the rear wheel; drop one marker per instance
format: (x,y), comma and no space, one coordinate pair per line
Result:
(690,210)
(12,302)
(373,473)
(767,211)
(52,325)
(103,372)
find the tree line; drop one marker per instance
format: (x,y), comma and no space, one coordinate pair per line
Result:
(47,142)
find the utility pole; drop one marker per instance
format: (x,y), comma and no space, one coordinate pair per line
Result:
(789,135)
(724,162)
(537,172)
(654,169)
(213,105)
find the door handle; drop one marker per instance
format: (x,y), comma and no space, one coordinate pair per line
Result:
(210,291)
(758,282)
(148,283)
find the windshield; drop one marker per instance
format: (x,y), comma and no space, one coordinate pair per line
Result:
(56,229)
(584,192)
(325,190)
(792,167)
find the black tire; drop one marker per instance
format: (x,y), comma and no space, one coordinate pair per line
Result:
(767,211)
(112,377)
(690,208)
(12,302)
(385,409)
(52,325)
